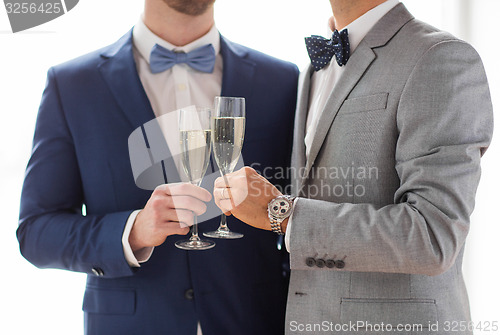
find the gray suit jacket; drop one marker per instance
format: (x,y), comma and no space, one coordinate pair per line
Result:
(389,185)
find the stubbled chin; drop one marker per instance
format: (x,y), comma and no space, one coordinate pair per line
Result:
(190,7)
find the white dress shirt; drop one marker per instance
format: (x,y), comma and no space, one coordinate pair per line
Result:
(169,91)
(323,82)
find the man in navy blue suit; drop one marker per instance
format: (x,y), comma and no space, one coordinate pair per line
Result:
(138,281)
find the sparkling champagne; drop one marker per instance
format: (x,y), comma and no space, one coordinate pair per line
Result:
(196,145)
(228,135)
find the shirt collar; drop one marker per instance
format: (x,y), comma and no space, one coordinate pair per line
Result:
(144,40)
(362,25)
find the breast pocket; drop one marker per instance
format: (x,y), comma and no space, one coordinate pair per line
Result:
(365,104)
(364,130)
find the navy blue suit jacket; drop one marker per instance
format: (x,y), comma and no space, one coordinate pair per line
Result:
(80,156)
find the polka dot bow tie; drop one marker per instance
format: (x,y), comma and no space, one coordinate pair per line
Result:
(321,50)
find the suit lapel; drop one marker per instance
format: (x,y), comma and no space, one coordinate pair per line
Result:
(355,68)
(120,73)
(238,71)
(299,148)
(359,62)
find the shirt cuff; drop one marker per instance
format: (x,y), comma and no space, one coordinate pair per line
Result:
(288,228)
(140,256)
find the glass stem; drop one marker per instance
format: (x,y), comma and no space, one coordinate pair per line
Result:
(194,229)
(223,223)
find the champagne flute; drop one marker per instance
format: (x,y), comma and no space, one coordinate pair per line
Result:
(195,141)
(228,132)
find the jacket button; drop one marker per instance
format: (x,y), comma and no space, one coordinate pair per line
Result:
(189,294)
(330,263)
(310,262)
(320,263)
(340,264)
(98,272)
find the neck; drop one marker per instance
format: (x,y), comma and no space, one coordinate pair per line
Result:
(347,11)
(174,27)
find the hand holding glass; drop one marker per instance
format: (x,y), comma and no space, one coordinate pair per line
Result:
(228,132)
(195,141)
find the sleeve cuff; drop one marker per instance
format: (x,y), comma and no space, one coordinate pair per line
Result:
(288,228)
(140,256)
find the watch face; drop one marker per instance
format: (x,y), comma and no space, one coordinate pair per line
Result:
(280,207)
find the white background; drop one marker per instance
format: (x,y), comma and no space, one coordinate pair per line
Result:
(36,301)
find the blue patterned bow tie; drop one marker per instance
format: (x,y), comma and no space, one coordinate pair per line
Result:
(201,59)
(321,50)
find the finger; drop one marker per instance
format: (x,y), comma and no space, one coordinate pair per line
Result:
(184,231)
(235,194)
(222,193)
(184,217)
(164,204)
(217,202)
(184,189)
(224,181)
(187,203)
(174,228)
(226,205)
(181,230)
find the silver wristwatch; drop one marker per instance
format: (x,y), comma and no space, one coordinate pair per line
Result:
(278,210)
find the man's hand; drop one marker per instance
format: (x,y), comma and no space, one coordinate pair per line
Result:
(245,194)
(169,211)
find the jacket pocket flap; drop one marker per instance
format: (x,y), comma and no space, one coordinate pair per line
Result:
(365,104)
(109,301)
(416,312)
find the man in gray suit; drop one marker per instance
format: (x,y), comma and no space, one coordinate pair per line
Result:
(393,117)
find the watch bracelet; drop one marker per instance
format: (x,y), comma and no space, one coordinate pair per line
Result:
(276,227)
